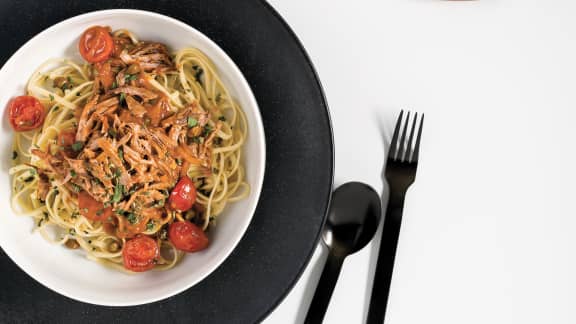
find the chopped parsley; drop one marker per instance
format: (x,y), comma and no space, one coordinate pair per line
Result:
(179,162)
(122,97)
(198,71)
(96,182)
(72,231)
(112,133)
(77,146)
(55,109)
(192,122)
(121,153)
(51,97)
(159,203)
(150,225)
(132,218)
(72,173)
(76,188)
(130,77)
(207,130)
(118,189)
(100,212)
(114,85)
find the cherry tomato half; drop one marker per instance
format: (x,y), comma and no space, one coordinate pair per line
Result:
(140,253)
(183,195)
(187,237)
(96,44)
(25,113)
(92,209)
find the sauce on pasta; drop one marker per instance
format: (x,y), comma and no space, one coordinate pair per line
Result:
(130,156)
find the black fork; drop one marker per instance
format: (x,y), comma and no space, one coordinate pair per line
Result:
(400,173)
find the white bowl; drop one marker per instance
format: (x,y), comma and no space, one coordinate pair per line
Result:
(70,273)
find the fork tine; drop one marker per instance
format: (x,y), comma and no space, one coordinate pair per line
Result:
(417,147)
(409,150)
(403,138)
(392,151)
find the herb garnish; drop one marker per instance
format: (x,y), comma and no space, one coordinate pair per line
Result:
(192,122)
(132,218)
(76,188)
(130,77)
(77,146)
(118,189)
(198,71)
(150,225)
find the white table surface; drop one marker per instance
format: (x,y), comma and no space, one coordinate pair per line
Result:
(489,226)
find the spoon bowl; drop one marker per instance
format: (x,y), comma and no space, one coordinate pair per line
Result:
(352,222)
(353,218)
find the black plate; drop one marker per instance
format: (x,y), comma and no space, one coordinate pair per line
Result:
(297,183)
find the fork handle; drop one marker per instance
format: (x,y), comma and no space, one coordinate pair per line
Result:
(385,263)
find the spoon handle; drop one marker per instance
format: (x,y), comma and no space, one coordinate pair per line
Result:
(324,289)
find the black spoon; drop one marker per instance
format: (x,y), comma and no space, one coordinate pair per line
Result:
(353,219)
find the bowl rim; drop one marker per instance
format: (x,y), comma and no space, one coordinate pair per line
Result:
(257,131)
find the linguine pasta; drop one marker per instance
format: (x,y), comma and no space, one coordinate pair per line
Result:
(47,178)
